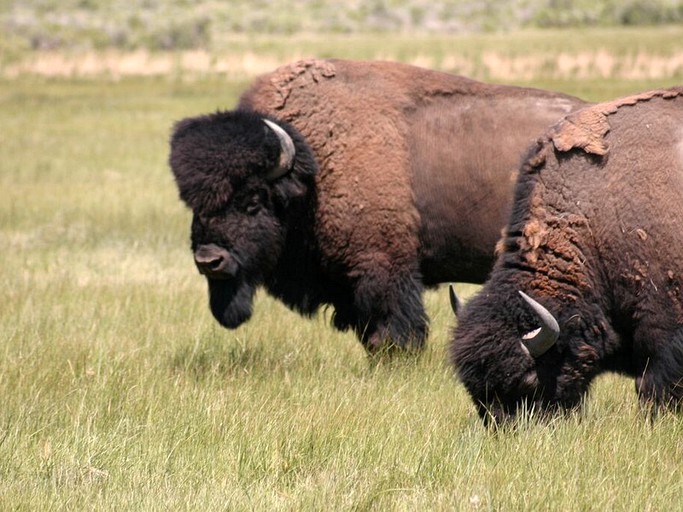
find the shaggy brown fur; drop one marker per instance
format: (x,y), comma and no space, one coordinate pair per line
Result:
(595,236)
(423,160)
(412,178)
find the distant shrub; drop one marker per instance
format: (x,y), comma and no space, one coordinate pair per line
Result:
(186,24)
(648,13)
(577,13)
(181,35)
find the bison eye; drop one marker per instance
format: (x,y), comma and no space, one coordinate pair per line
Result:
(529,383)
(255,203)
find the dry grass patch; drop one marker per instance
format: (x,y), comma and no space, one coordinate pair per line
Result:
(628,53)
(491,65)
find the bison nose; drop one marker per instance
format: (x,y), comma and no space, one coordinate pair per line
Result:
(214,261)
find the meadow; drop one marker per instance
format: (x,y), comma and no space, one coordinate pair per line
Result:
(120,392)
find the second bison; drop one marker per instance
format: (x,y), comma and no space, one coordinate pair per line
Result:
(354,184)
(589,277)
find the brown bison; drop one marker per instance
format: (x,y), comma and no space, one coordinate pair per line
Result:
(354,184)
(588,277)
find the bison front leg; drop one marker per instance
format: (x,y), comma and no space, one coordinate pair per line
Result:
(390,314)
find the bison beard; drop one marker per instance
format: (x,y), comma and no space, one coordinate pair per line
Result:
(230,301)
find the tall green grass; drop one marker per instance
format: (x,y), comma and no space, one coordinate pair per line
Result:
(120,392)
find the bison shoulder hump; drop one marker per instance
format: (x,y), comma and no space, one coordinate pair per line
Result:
(297,75)
(586,128)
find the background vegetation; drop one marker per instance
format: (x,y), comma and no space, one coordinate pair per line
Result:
(187,24)
(120,392)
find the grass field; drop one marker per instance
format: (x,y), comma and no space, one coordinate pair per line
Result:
(120,392)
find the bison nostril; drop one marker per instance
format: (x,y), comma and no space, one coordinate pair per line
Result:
(213,260)
(215,264)
(211,264)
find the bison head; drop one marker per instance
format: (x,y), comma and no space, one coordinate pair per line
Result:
(511,356)
(242,175)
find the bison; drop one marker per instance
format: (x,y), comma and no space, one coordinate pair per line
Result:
(355,185)
(589,269)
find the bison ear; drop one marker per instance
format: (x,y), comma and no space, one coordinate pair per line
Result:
(287,151)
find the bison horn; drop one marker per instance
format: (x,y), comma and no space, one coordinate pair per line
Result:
(455,302)
(538,341)
(286,151)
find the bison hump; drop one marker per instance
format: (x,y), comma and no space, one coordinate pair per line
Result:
(586,128)
(299,74)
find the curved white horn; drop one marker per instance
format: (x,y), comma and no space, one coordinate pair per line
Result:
(538,341)
(286,151)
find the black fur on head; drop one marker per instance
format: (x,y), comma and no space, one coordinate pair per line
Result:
(499,373)
(223,165)
(489,358)
(213,155)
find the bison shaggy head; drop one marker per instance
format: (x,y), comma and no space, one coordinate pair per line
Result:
(241,174)
(510,355)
